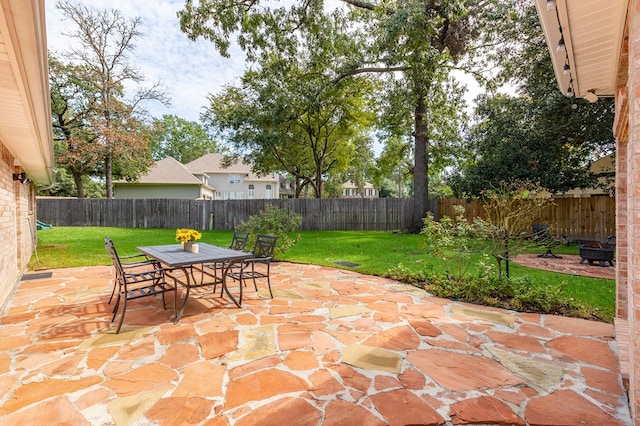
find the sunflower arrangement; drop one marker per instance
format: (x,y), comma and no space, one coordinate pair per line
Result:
(185,235)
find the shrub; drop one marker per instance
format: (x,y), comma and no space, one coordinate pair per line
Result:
(518,294)
(274,221)
(450,240)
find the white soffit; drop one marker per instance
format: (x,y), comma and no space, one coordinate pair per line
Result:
(25,113)
(592,32)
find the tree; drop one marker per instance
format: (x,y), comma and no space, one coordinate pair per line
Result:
(288,115)
(104,40)
(511,207)
(181,139)
(72,100)
(416,45)
(539,135)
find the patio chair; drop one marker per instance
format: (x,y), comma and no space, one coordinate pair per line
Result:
(129,262)
(134,282)
(262,255)
(542,236)
(238,242)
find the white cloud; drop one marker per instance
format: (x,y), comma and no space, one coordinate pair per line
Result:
(190,70)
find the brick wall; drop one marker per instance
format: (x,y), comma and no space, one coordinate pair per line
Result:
(10,273)
(632,207)
(25,229)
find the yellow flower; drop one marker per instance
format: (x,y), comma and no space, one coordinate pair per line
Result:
(186,234)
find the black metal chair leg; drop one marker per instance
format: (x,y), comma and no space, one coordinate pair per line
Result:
(124,311)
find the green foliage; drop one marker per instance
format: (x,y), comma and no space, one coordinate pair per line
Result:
(539,134)
(511,209)
(311,51)
(181,139)
(289,116)
(519,293)
(276,221)
(64,186)
(114,135)
(450,240)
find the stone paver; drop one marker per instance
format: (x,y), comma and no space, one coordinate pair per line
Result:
(332,348)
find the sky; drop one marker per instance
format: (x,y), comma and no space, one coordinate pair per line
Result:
(189,70)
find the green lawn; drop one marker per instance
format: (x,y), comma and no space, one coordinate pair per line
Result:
(374,252)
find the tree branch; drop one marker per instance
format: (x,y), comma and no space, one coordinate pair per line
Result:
(378,70)
(362,4)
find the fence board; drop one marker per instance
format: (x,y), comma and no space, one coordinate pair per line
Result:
(381,214)
(578,218)
(589,218)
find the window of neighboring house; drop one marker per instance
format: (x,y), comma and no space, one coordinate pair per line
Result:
(233,179)
(267,192)
(252,192)
(218,195)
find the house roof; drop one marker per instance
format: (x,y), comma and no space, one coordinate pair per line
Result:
(592,31)
(166,171)
(214,164)
(25,111)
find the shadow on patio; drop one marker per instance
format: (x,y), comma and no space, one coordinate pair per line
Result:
(332,346)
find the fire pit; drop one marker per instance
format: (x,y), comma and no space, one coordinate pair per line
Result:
(594,251)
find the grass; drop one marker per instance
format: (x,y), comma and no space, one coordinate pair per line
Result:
(374,253)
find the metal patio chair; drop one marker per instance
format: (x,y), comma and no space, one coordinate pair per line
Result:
(134,282)
(542,236)
(132,261)
(262,256)
(238,242)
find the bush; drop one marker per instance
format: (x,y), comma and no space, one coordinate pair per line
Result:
(274,221)
(518,294)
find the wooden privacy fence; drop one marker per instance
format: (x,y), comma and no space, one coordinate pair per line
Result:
(591,218)
(380,214)
(579,218)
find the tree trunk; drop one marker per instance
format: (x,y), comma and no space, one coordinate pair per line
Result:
(421,167)
(77,179)
(318,186)
(108,175)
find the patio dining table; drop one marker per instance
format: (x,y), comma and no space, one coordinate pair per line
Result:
(173,256)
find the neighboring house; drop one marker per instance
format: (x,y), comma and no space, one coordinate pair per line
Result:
(287,187)
(600,57)
(350,190)
(26,143)
(167,178)
(605,169)
(237,181)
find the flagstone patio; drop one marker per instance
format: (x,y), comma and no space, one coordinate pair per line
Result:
(333,347)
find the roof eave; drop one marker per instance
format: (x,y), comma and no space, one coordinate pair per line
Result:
(592,32)
(25,113)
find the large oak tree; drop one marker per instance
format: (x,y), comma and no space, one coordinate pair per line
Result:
(415,43)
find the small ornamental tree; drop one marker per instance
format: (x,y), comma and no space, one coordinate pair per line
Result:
(511,208)
(275,221)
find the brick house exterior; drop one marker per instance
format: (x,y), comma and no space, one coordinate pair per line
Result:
(602,58)
(25,134)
